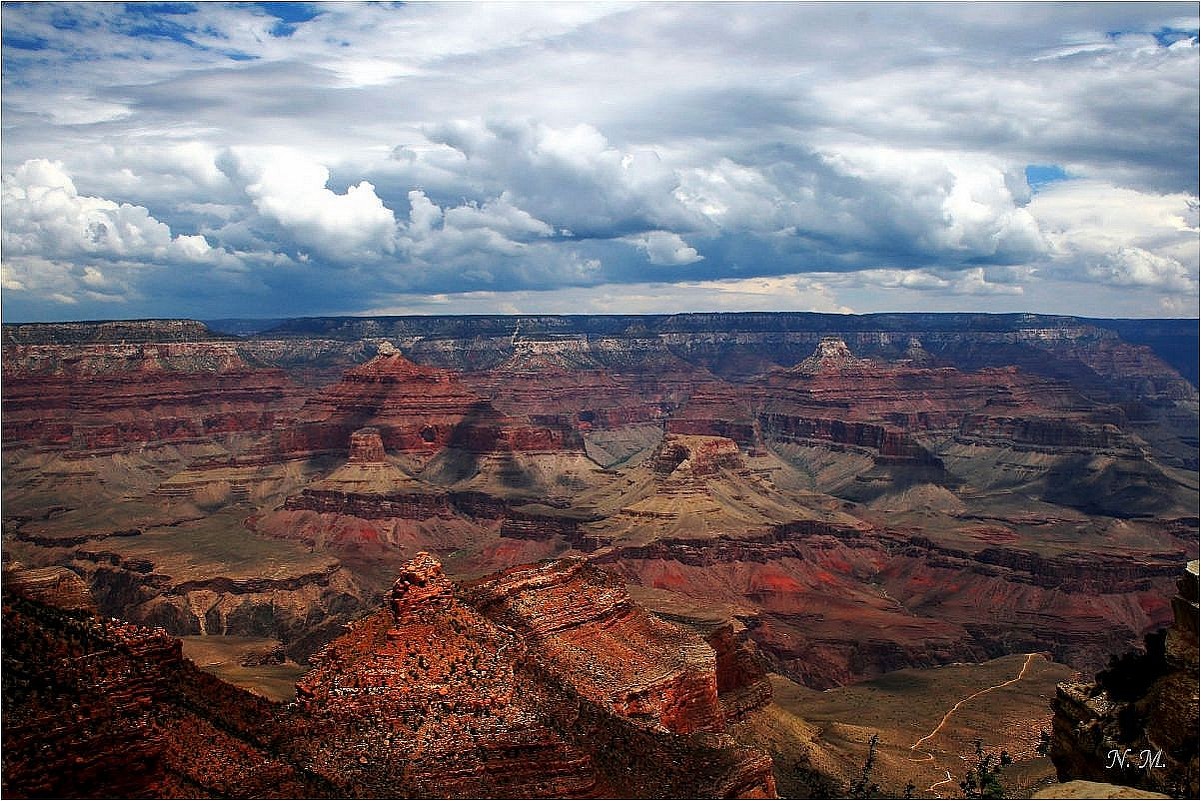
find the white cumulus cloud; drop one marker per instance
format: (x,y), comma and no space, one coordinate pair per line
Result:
(665,248)
(44,215)
(1120,236)
(292,189)
(318,163)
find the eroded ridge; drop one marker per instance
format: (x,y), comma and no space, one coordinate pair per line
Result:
(540,681)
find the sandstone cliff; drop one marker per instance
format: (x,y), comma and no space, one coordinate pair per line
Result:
(430,696)
(98,708)
(542,681)
(866,493)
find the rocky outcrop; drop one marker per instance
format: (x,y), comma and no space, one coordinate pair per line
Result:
(701,456)
(303,609)
(742,683)
(373,506)
(717,409)
(53,586)
(587,631)
(1079,788)
(864,493)
(889,444)
(96,708)
(366,447)
(1137,724)
(840,603)
(428,697)
(520,688)
(415,409)
(424,698)
(832,354)
(109,332)
(736,344)
(1055,434)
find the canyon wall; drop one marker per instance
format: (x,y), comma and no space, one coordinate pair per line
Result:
(858,488)
(434,695)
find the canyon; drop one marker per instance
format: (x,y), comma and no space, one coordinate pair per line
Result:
(612,529)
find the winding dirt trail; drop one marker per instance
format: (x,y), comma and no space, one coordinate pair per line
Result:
(929,757)
(931,789)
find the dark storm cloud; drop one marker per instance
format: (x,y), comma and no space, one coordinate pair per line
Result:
(252,158)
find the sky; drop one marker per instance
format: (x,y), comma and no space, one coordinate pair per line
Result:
(217,160)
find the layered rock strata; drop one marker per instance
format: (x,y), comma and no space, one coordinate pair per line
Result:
(97,708)
(89,398)
(838,603)
(415,409)
(522,689)
(924,468)
(428,697)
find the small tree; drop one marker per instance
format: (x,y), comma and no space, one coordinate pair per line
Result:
(864,787)
(984,780)
(1044,743)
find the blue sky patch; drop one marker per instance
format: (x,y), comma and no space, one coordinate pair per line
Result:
(1169,36)
(159,9)
(1041,175)
(22,42)
(291,12)
(63,21)
(290,15)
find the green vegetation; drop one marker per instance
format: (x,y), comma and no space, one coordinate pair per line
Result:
(1044,743)
(864,787)
(984,780)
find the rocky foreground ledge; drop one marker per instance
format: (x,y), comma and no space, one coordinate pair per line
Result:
(1137,724)
(542,681)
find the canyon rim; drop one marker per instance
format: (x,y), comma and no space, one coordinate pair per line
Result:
(642,400)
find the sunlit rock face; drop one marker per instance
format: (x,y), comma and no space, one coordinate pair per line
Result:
(366,447)
(865,493)
(428,696)
(545,680)
(414,409)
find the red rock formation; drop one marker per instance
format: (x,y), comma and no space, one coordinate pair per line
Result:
(424,699)
(832,354)
(111,332)
(374,506)
(304,606)
(495,697)
(427,697)
(414,409)
(586,629)
(839,604)
(366,447)
(1051,433)
(370,488)
(52,586)
(717,410)
(862,514)
(587,398)
(100,397)
(742,684)
(96,708)
(705,455)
